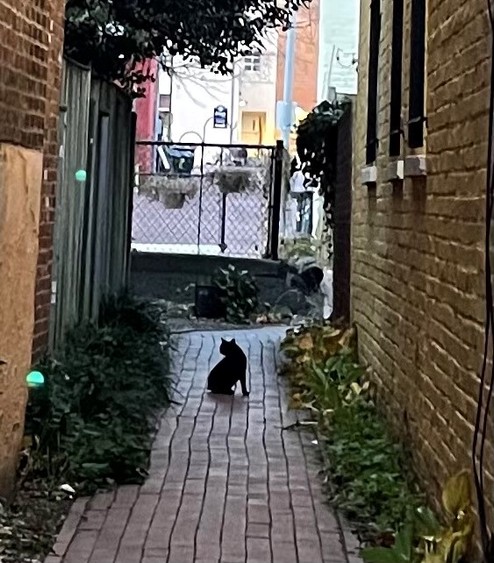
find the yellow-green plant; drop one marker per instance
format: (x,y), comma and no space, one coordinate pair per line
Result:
(326,379)
(312,344)
(424,539)
(321,369)
(451,542)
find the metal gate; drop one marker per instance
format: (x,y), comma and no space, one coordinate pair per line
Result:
(200,198)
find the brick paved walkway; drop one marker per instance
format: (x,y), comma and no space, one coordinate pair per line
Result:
(226,485)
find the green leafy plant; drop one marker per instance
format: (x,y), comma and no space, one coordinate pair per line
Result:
(238,293)
(367,467)
(301,247)
(93,422)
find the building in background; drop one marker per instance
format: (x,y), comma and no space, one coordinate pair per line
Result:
(338,47)
(145,107)
(258,88)
(188,96)
(306,58)
(180,105)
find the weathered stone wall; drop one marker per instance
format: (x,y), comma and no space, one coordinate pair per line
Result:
(417,272)
(30,42)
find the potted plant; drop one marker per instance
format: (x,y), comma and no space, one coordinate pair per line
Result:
(239,179)
(171,191)
(238,292)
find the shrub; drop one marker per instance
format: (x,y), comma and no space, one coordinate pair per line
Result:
(367,468)
(238,292)
(92,422)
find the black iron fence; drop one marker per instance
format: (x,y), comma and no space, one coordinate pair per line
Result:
(199,198)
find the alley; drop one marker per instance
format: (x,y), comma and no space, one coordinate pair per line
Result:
(227,484)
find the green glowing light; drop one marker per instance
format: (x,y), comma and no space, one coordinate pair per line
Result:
(80,175)
(35,379)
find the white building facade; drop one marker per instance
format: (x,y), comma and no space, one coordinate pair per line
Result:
(189,95)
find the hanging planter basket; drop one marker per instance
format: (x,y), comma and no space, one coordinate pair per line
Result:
(171,191)
(239,179)
(171,200)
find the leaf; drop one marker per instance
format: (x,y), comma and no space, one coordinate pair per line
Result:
(380,555)
(356,388)
(433,558)
(426,523)
(457,494)
(306,343)
(403,546)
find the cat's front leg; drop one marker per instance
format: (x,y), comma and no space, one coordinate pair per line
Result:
(243,384)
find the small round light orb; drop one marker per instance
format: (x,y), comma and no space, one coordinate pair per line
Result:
(81,175)
(35,379)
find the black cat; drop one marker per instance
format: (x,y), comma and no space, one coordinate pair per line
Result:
(232,368)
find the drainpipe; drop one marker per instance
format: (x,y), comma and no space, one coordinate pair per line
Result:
(232,102)
(288,79)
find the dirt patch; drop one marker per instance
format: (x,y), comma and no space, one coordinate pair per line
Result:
(29,526)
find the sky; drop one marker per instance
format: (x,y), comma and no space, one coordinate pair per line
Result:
(338,46)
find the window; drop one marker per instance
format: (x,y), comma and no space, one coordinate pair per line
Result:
(396,129)
(416,117)
(252,62)
(374,39)
(304,212)
(164,102)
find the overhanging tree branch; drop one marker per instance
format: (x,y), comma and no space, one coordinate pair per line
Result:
(114,36)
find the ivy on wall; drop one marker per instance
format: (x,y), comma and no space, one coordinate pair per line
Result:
(317,140)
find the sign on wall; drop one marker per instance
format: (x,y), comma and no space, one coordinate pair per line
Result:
(220,117)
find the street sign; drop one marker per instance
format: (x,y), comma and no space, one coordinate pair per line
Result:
(220,117)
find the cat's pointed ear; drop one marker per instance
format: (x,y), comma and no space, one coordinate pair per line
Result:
(232,341)
(223,340)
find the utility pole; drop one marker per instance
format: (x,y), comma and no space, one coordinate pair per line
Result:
(232,102)
(291,37)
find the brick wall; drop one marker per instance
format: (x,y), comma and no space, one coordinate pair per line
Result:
(30,64)
(417,272)
(306,58)
(50,162)
(30,49)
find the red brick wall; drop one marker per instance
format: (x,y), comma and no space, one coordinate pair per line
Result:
(306,58)
(31,39)
(23,72)
(50,160)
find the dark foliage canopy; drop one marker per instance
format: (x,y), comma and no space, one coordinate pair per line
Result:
(114,36)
